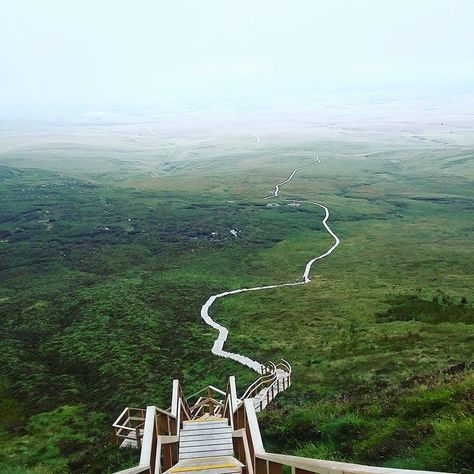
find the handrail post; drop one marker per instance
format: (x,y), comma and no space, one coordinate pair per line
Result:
(175,398)
(233,392)
(253,426)
(138,437)
(210,404)
(148,437)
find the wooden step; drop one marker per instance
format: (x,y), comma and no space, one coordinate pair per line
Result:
(210,469)
(205,453)
(207,465)
(222,431)
(198,441)
(205,418)
(205,438)
(226,446)
(211,436)
(204,425)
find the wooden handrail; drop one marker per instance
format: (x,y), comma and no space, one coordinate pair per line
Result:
(248,457)
(269,378)
(251,390)
(157,435)
(270,463)
(161,431)
(125,427)
(215,389)
(126,414)
(149,436)
(285,366)
(324,467)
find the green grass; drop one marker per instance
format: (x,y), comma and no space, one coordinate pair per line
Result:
(104,269)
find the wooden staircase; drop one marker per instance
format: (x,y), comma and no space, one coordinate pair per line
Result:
(197,433)
(213,465)
(215,435)
(206,447)
(205,437)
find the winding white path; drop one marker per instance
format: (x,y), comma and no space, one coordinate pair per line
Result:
(218,346)
(277,186)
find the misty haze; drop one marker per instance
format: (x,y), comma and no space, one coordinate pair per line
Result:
(236,237)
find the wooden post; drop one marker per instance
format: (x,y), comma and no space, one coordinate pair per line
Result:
(139,438)
(210,404)
(243,424)
(240,450)
(260,466)
(275,468)
(302,471)
(174,453)
(167,456)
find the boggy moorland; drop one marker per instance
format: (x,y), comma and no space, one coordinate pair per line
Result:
(109,250)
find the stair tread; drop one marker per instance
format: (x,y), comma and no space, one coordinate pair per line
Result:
(195,449)
(202,425)
(211,436)
(198,441)
(206,442)
(211,431)
(207,465)
(209,453)
(206,420)
(210,460)
(218,469)
(215,470)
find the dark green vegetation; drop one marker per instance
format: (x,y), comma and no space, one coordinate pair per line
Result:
(440,309)
(103,278)
(425,423)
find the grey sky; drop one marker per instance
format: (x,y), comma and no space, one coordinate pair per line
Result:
(97,53)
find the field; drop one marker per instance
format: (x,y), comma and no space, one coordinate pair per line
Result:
(112,236)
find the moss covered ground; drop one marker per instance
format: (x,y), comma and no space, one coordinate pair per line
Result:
(104,268)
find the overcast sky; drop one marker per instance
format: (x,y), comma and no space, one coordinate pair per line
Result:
(98,53)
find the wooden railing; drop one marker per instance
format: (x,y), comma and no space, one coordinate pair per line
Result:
(158,431)
(249,450)
(129,426)
(231,402)
(276,378)
(268,463)
(284,365)
(213,404)
(269,376)
(159,442)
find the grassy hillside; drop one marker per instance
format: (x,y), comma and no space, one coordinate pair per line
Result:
(104,269)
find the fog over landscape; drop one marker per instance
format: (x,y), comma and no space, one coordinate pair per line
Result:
(276,190)
(60,57)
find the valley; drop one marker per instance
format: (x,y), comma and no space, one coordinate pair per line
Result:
(107,259)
